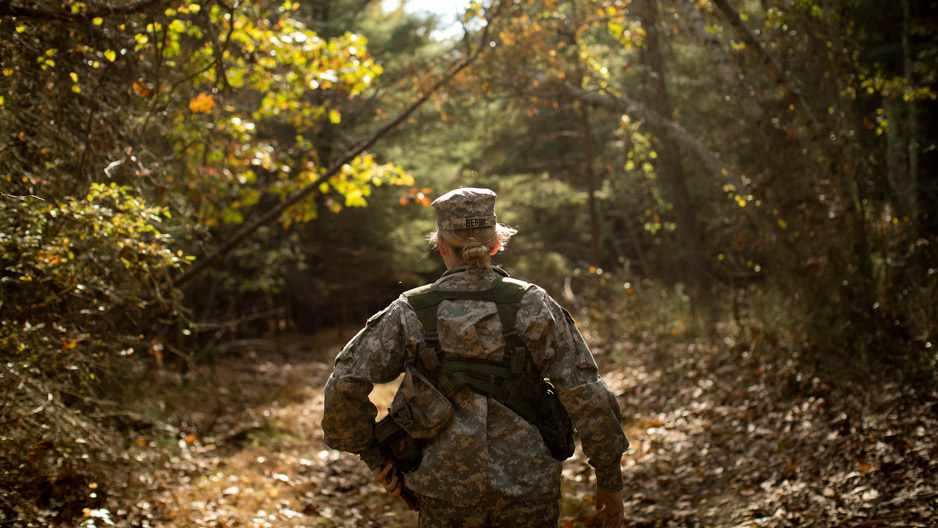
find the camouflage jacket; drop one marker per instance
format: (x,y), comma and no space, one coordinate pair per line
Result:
(484,449)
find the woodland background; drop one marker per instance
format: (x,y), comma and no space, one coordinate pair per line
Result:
(186,185)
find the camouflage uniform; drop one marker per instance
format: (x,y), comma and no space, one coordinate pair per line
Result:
(485,450)
(479,457)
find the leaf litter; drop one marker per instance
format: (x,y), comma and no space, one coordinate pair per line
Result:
(718,440)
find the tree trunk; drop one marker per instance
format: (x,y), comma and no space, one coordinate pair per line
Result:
(912,111)
(688,227)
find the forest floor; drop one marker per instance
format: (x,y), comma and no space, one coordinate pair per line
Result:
(716,442)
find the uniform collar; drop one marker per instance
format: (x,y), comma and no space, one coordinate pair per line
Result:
(465,269)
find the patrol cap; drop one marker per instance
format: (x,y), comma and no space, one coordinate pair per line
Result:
(465,208)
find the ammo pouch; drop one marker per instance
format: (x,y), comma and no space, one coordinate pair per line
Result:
(419,407)
(418,411)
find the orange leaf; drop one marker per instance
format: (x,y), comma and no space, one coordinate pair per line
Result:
(202,103)
(142,90)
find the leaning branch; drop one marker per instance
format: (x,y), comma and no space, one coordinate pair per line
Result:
(276,211)
(665,127)
(731,76)
(660,124)
(775,70)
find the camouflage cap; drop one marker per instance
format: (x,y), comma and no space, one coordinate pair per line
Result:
(465,208)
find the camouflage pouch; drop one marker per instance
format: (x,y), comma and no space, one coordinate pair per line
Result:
(419,407)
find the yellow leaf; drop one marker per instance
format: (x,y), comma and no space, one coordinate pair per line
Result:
(74,76)
(97,21)
(110,55)
(1,100)
(335,117)
(76,88)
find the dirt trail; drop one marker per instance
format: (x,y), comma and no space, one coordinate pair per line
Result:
(713,445)
(261,460)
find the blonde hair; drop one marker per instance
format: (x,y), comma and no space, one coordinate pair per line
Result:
(475,246)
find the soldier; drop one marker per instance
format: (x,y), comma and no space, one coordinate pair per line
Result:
(484,462)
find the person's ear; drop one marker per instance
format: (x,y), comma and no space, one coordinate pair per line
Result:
(441,245)
(498,244)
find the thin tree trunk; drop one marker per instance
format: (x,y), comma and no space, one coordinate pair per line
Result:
(630,229)
(912,110)
(897,168)
(587,134)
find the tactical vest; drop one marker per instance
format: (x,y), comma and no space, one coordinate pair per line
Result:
(514,380)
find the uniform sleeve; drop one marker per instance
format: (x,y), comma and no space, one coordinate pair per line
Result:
(549,332)
(377,354)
